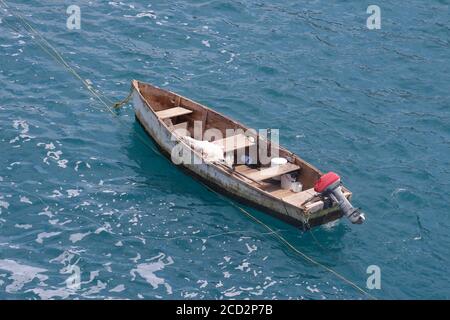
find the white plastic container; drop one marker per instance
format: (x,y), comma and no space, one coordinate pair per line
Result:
(277,161)
(287,181)
(296,186)
(274,162)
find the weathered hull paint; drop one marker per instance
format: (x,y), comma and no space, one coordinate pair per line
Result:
(221,180)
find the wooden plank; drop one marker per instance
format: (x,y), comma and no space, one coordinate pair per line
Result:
(273,171)
(242,168)
(275,189)
(281,193)
(314,206)
(204,118)
(238,141)
(180,128)
(298,198)
(182,125)
(172,112)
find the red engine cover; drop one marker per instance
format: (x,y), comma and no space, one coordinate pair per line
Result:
(325,181)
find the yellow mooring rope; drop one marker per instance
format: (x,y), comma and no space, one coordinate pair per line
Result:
(120,104)
(53,52)
(105,101)
(294,249)
(56,55)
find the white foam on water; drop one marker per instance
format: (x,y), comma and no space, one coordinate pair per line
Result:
(78,236)
(21,274)
(330,225)
(118,288)
(92,275)
(25,200)
(77,165)
(95,289)
(48,146)
(397,191)
(108,213)
(258,292)
(46,212)
(63,163)
(16,139)
(4,205)
(54,155)
(12,164)
(105,228)
(147,271)
(45,235)
(251,248)
(313,289)
(136,259)
(21,125)
(47,294)
(108,266)
(23,226)
(232,292)
(244,266)
(71,193)
(109,191)
(203,283)
(56,194)
(268,284)
(24,128)
(65,257)
(150,14)
(189,295)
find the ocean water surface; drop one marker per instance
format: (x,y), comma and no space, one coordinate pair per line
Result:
(81,189)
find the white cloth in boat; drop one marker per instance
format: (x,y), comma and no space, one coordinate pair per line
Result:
(210,151)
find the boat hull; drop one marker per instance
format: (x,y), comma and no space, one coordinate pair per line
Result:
(221,180)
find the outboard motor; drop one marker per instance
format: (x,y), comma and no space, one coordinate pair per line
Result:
(330,184)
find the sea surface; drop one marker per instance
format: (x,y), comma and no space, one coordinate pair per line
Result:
(83,190)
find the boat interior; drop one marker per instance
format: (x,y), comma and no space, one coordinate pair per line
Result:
(178,113)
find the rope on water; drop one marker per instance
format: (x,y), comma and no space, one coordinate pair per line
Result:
(54,53)
(294,249)
(120,104)
(51,50)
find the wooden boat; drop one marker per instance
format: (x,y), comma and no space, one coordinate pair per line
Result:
(162,113)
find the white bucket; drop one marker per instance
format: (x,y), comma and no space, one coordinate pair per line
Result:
(277,161)
(274,162)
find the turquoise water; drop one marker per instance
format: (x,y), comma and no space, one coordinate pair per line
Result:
(81,187)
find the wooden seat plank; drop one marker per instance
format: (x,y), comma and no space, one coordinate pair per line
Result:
(271,172)
(299,198)
(172,112)
(180,128)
